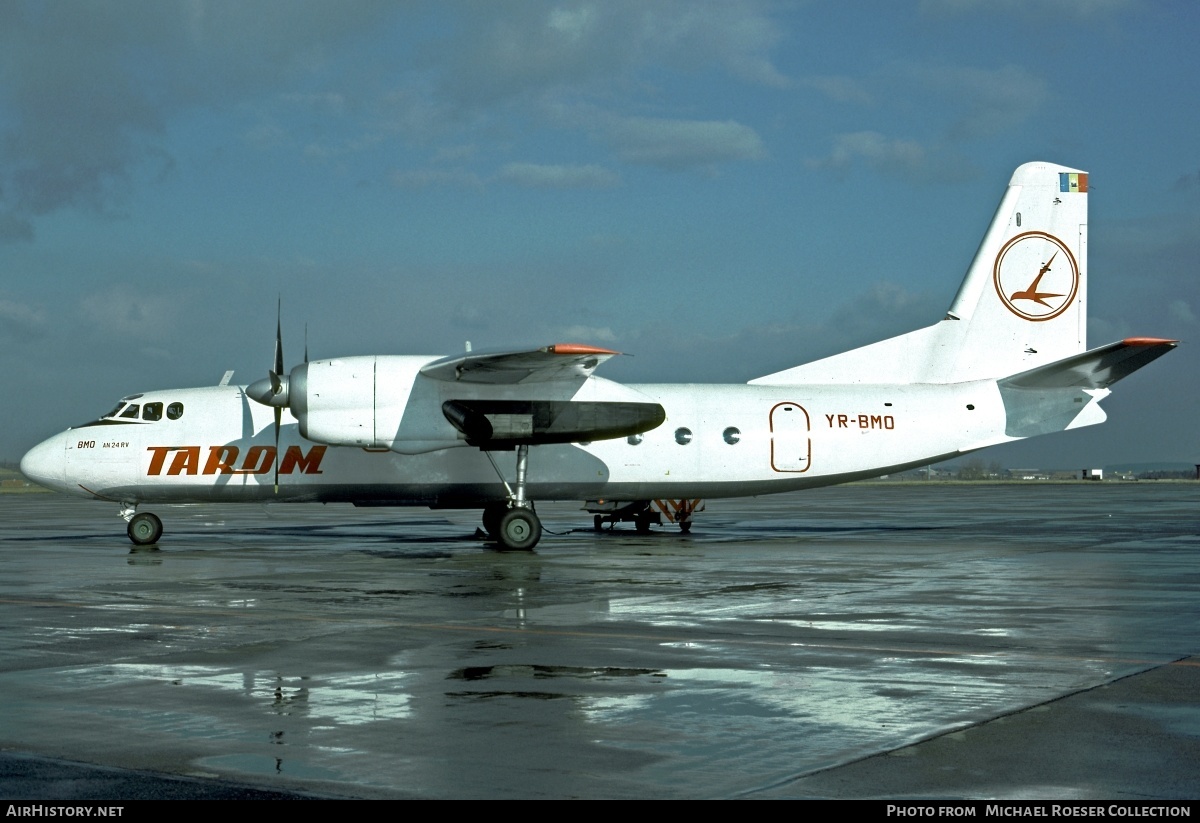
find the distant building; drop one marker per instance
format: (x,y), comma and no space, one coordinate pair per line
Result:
(1092,474)
(1028,474)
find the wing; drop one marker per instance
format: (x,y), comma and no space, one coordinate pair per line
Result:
(561,361)
(503,422)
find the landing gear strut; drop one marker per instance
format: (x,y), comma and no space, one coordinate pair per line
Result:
(514,524)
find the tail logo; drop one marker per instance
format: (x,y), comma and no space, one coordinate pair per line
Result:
(1036,276)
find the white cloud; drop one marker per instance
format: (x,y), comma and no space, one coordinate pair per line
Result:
(130,313)
(426,178)
(1039,8)
(88,92)
(738,35)
(15,227)
(455,154)
(877,150)
(19,320)
(906,159)
(839,88)
(588,334)
(532,47)
(156,353)
(1181,311)
(1187,182)
(995,100)
(543,176)
(681,144)
(881,310)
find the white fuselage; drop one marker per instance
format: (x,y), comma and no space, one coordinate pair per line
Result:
(717,441)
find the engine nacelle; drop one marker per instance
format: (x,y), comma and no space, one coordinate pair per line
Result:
(369,402)
(385,402)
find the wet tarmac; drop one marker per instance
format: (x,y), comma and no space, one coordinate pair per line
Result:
(870,641)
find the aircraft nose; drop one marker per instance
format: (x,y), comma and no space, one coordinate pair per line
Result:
(46,463)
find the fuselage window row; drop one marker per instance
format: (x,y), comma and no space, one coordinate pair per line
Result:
(683,436)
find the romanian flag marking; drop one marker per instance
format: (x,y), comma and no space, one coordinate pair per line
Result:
(1073,182)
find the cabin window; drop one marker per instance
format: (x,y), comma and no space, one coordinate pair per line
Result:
(131,411)
(152,411)
(634,439)
(731,435)
(175,411)
(683,436)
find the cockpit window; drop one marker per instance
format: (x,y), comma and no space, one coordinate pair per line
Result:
(131,411)
(113,413)
(152,411)
(175,411)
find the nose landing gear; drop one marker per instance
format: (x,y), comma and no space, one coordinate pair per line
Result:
(144,529)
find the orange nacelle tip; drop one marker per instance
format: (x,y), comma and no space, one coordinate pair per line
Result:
(1148,341)
(578,348)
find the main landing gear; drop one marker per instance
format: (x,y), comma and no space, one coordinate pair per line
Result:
(144,529)
(513,523)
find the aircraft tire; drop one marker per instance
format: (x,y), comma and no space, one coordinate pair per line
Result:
(145,529)
(520,530)
(493,513)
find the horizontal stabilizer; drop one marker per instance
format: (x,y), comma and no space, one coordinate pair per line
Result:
(1095,369)
(1066,394)
(561,361)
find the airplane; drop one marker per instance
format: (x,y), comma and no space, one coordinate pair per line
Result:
(498,431)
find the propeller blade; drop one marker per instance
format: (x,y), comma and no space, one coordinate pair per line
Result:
(273,390)
(277,384)
(278,415)
(278,339)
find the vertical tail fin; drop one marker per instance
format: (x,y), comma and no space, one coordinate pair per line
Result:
(1024,299)
(1023,302)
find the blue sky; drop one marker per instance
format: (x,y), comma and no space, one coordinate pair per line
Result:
(721,189)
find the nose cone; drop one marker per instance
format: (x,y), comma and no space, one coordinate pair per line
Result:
(46,464)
